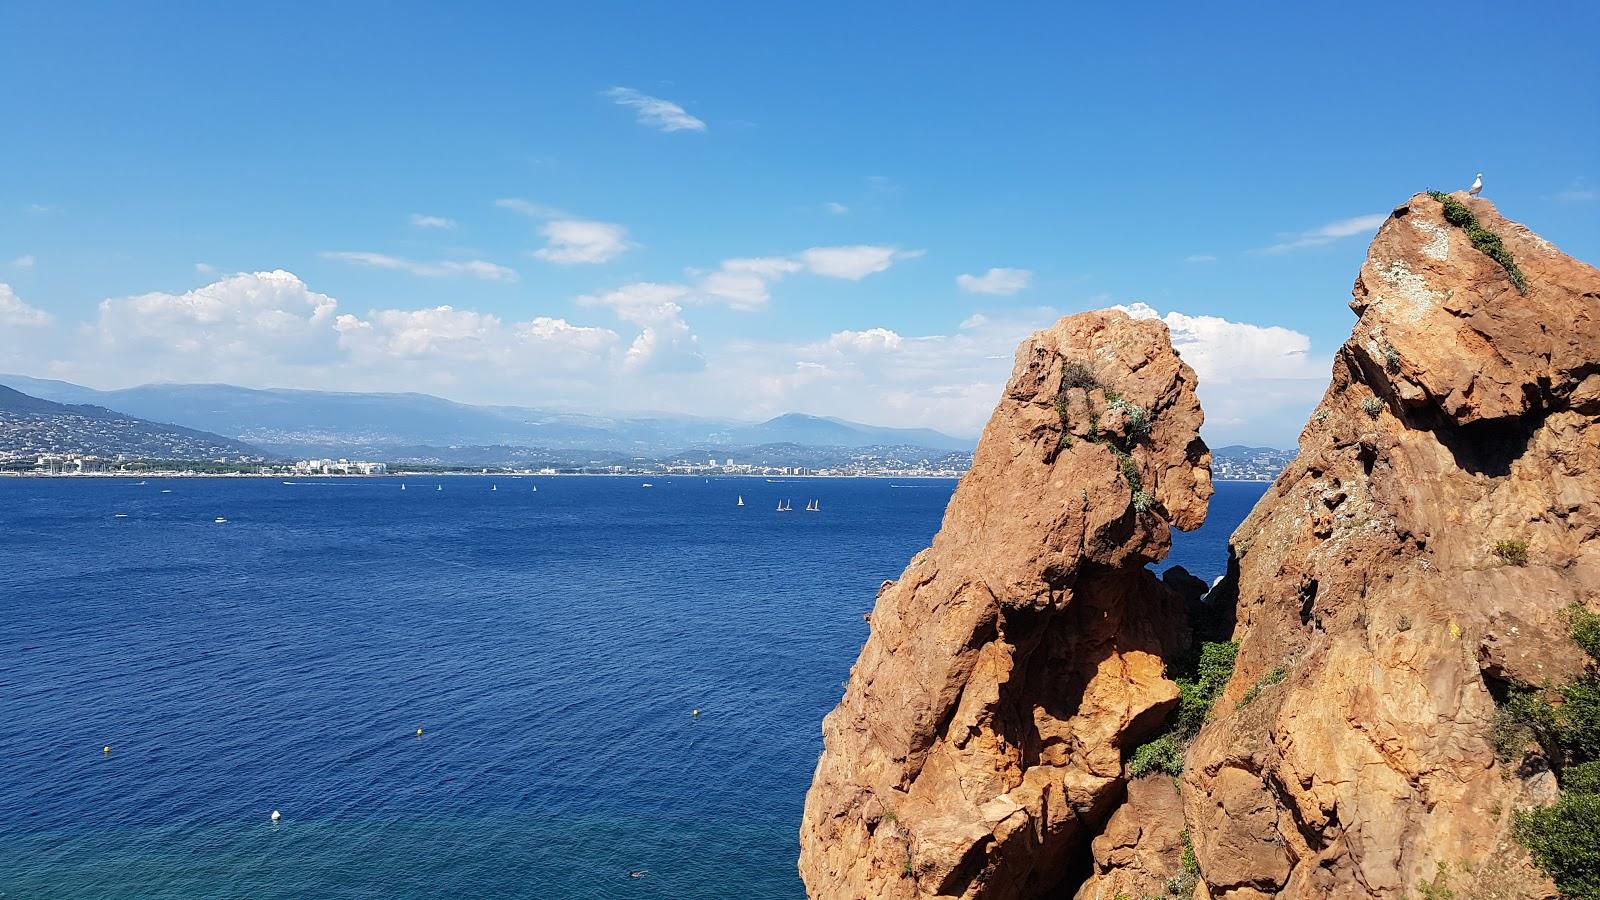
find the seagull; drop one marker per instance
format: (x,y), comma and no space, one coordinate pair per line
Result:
(1477,186)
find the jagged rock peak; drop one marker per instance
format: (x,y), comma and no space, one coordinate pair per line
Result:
(1419,557)
(978,747)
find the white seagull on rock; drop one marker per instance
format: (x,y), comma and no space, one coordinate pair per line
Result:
(1477,186)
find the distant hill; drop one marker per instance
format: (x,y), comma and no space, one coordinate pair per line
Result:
(297,422)
(31,425)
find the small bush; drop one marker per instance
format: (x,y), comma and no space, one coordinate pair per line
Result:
(1585,629)
(1483,240)
(1512,553)
(1564,839)
(1372,406)
(1273,677)
(1583,778)
(1138,419)
(1190,864)
(1076,374)
(1142,501)
(1439,887)
(1164,754)
(1391,358)
(1404,624)
(1578,725)
(1527,717)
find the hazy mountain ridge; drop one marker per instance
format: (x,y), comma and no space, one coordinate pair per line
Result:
(33,426)
(296,421)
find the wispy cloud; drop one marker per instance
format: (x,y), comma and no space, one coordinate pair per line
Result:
(835,207)
(425,221)
(23,262)
(1577,192)
(999,282)
(204,268)
(654,112)
(1327,234)
(475,268)
(530,208)
(1199,258)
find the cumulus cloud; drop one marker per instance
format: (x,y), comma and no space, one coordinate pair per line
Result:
(476,268)
(854,262)
(15,313)
(425,221)
(1253,378)
(745,283)
(1327,234)
(1000,282)
(581,241)
(654,112)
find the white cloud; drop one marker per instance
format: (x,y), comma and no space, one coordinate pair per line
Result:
(204,268)
(476,268)
(425,221)
(14,313)
(836,208)
(1253,378)
(642,303)
(1001,282)
(573,241)
(1577,192)
(854,262)
(745,283)
(872,340)
(654,112)
(1328,233)
(23,262)
(1200,258)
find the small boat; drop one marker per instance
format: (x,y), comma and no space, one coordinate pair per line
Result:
(647,484)
(741,500)
(221,521)
(494,487)
(120,516)
(785,506)
(286,482)
(814,506)
(166,490)
(402,485)
(536,489)
(438,487)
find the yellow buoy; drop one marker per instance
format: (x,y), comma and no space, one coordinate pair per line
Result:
(419,732)
(106,749)
(695,713)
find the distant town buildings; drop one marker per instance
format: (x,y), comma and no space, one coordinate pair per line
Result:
(339,467)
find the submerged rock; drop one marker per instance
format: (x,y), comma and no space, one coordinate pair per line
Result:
(978,747)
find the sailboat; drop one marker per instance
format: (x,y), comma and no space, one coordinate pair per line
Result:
(438,487)
(741,500)
(785,506)
(494,487)
(402,485)
(814,506)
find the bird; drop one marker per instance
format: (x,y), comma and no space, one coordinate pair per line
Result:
(1477,186)
(276,816)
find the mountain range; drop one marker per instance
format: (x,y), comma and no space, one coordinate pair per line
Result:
(30,425)
(321,423)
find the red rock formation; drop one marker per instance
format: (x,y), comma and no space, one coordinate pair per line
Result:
(978,747)
(1462,413)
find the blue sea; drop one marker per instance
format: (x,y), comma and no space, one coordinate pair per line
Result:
(551,638)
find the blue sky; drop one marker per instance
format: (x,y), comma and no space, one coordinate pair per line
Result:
(743,209)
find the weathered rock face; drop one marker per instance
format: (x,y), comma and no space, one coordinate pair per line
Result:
(1462,414)
(978,747)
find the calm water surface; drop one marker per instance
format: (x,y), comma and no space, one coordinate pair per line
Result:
(551,644)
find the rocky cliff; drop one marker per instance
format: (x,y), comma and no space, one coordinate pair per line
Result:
(1412,574)
(979,744)
(1418,559)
